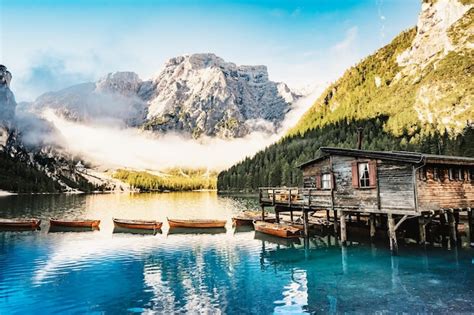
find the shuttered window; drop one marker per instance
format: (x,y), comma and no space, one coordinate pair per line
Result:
(364,174)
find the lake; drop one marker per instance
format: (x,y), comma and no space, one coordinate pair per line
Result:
(236,272)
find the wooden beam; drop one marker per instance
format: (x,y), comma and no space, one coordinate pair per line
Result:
(392,235)
(305,223)
(401,221)
(343,228)
(470,219)
(372,226)
(452,227)
(422,229)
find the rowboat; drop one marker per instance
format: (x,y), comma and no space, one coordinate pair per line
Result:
(246,218)
(20,223)
(196,223)
(277,229)
(137,224)
(75,223)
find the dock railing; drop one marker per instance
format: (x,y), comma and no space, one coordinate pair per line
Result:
(294,196)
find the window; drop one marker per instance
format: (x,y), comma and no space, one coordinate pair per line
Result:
(461,174)
(436,173)
(326,181)
(451,174)
(364,174)
(423,173)
(363,169)
(471,174)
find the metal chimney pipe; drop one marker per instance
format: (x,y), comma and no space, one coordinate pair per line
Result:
(359,138)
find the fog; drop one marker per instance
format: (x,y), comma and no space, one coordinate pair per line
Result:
(115,146)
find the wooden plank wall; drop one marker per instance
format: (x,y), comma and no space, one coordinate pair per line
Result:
(444,194)
(396,186)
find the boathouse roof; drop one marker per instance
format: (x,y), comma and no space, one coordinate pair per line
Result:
(398,156)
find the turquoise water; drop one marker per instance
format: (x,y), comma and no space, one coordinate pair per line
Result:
(235,272)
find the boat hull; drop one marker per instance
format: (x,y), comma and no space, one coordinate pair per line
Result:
(20,224)
(75,223)
(139,225)
(241,221)
(197,224)
(276,229)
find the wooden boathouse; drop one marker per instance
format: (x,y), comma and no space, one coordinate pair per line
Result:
(389,187)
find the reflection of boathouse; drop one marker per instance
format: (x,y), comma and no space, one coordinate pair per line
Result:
(395,186)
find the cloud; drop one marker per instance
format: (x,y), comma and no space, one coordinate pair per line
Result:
(348,41)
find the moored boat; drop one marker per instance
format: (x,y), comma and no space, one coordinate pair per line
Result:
(137,224)
(246,218)
(75,223)
(20,223)
(196,223)
(277,229)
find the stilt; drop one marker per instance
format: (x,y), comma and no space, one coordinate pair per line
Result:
(422,229)
(328,217)
(263,213)
(344,258)
(277,215)
(305,223)
(336,228)
(372,226)
(452,227)
(291,215)
(392,235)
(343,228)
(442,221)
(471,226)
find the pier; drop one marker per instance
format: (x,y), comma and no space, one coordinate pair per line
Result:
(382,191)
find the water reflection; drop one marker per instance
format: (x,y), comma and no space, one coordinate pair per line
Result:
(230,272)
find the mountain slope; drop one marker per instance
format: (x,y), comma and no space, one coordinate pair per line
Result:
(423,77)
(195,95)
(414,94)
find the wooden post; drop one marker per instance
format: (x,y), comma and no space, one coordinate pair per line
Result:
(392,235)
(328,217)
(452,227)
(422,229)
(263,213)
(343,228)
(471,226)
(277,215)
(336,229)
(372,226)
(305,223)
(291,215)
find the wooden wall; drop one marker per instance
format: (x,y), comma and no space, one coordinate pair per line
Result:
(444,193)
(394,191)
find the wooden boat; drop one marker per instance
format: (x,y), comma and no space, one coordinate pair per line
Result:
(181,230)
(276,229)
(246,218)
(197,223)
(20,223)
(75,223)
(137,224)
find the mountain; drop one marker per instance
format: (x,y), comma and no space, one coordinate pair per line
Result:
(198,95)
(39,168)
(414,94)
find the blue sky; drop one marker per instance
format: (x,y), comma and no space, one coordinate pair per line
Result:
(48,45)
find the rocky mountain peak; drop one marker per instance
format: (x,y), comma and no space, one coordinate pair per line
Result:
(125,83)
(7,99)
(433,40)
(202,94)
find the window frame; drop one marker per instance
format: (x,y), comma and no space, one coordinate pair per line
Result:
(328,180)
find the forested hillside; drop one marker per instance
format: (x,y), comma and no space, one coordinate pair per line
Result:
(173,179)
(414,94)
(277,164)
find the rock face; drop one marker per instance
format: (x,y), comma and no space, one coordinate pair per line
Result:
(204,95)
(197,95)
(432,40)
(7,99)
